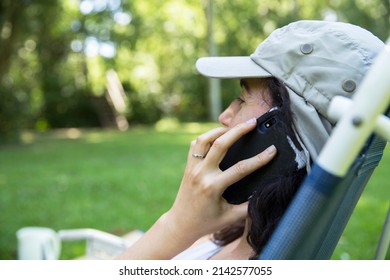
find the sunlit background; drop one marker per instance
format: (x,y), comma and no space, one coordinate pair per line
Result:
(55,54)
(70,69)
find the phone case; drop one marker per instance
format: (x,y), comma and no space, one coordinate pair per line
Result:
(271,130)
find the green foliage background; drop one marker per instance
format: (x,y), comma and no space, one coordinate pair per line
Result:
(47,78)
(48,75)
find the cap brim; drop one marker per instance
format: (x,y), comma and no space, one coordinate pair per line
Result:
(230,67)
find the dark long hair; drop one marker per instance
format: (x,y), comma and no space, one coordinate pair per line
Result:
(267,204)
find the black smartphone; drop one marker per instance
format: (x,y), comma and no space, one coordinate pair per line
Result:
(271,130)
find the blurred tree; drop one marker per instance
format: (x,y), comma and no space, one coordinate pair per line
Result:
(12,102)
(373,15)
(54,54)
(160,63)
(64,104)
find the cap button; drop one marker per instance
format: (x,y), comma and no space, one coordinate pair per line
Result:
(307,48)
(349,85)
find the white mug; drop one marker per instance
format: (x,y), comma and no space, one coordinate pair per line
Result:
(38,243)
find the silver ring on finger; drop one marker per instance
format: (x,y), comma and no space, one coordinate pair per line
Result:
(198,156)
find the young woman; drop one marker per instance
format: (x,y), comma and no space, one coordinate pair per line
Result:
(241,230)
(245,238)
(299,68)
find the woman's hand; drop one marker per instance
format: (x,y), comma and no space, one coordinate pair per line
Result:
(199,207)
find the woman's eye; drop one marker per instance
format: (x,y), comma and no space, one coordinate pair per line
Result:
(240,100)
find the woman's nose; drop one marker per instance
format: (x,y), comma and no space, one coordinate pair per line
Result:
(226,117)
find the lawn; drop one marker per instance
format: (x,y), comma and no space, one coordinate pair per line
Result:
(120,181)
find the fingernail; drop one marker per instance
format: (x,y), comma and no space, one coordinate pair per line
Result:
(251,121)
(271,150)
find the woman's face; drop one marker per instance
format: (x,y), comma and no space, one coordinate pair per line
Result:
(253,102)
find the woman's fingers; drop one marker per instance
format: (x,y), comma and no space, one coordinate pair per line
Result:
(213,145)
(245,167)
(201,145)
(220,146)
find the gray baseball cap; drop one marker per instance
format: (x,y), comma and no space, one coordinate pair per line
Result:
(316,60)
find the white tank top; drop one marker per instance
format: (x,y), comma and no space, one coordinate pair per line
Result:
(202,251)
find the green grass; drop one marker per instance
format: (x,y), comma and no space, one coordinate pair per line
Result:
(117,182)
